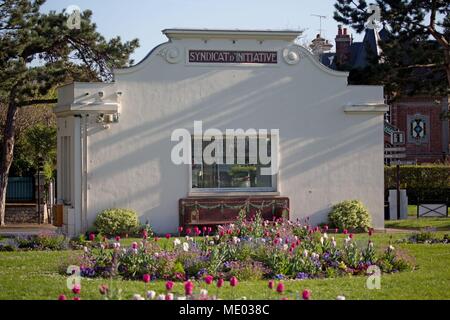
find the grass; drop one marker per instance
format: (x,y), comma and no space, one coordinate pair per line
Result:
(422,223)
(34,275)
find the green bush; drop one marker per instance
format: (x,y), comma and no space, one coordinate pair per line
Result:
(426,182)
(117,222)
(350,214)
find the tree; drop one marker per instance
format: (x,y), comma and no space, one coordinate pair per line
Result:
(38,52)
(411,62)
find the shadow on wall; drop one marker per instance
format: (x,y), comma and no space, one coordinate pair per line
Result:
(263,99)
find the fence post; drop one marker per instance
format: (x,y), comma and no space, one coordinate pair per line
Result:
(41,203)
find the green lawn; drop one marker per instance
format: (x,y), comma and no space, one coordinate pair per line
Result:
(34,275)
(417,224)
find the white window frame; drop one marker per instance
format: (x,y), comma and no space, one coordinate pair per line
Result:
(274,190)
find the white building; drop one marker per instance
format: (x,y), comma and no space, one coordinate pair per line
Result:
(114,139)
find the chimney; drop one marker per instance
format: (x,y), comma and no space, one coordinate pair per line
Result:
(343,44)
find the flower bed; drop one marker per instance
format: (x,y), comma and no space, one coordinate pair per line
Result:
(248,250)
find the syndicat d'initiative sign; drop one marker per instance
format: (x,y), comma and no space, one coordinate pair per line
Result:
(224,56)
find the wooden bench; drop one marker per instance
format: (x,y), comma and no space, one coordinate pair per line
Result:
(214,211)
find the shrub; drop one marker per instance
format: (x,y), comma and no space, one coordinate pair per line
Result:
(112,222)
(43,242)
(350,214)
(427,182)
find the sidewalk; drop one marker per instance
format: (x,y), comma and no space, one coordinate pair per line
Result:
(26,229)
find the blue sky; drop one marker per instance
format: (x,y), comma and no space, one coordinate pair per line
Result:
(144,19)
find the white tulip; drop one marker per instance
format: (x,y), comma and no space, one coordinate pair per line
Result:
(176,242)
(321,240)
(285,247)
(305,253)
(185,246)
(161,297)
(181,298)
(325,235)
(340,298)
(391,248)
(138,297)
(151,294)
(204,292)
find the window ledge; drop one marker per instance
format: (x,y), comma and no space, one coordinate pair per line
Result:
(366,108)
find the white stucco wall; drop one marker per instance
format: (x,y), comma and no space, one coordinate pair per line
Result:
(326,154)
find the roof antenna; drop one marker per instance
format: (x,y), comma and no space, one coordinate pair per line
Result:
(320,19)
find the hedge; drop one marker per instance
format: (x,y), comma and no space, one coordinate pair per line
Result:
(427,182)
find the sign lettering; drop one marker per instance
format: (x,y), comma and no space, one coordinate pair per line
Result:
(222,56)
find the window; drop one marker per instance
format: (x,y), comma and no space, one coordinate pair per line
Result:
(239,170)
(66,167)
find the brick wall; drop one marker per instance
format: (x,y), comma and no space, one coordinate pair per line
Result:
(432,108)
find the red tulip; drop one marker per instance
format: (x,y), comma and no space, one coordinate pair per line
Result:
(169,285)
(370,232)
(209,229)
(76,289)
(180,229)
(91,237)
(76,298)
(62,297)
(350,235)
(345,231)
(188,231)
(117,238)
(280,287)
(220,283)
(204,229)
(271,284)
(146,278)
(103,289)
(234,281)
(209,279)
(167,235)
(188,288)
(196,229)
(144,234)
(221,233)
(306,294)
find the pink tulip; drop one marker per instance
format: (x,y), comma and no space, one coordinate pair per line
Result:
(144,234)
(62,297)
(169,285)
(134,245)
(220,283)
(180,229)
(234,281)
(345,231)
(188,288)
(209,279)
(91,237)
(117,238)
(168,236)
(271,284)
(76,299)
(146,278)
(280,287)
(188,231)
(306,294)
